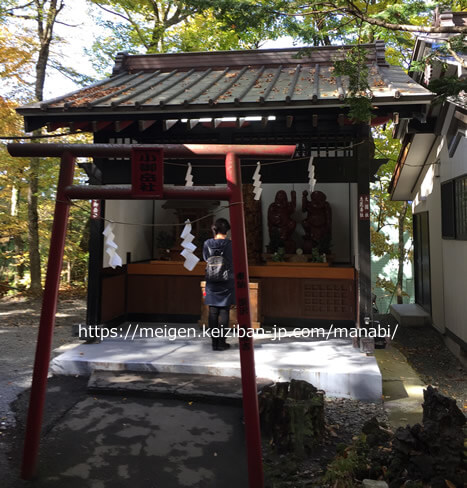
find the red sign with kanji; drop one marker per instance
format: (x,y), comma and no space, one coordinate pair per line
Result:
(364,207)
(147,172)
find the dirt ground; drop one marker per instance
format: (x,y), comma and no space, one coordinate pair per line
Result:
(19,320)
(18,334)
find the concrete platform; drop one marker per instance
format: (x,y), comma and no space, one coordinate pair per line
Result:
(410,315)
(331,365)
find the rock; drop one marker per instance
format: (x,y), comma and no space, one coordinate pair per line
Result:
(376,433)
(374,484)
(441,409)
(423,464)
(432,452)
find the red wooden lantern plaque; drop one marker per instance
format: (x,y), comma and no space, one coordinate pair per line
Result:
(147,172)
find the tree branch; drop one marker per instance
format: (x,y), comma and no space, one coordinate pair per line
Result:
(112,12)
(354,11)
(311,12)
(19,7)
(16,16)
(137,29)
(453,53)
(67,25)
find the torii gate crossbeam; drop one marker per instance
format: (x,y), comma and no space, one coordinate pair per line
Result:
(66,191)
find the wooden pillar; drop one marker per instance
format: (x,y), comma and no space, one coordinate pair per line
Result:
(96,252)
(363,150)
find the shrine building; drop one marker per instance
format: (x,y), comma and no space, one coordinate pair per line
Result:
(316,264)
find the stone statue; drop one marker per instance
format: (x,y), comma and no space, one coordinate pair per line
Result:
(318,222)
(280,222)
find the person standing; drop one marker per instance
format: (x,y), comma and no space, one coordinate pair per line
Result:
(220,286)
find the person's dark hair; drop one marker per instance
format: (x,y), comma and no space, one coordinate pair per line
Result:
(220,226)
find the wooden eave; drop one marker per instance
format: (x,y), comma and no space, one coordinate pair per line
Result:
(228,84)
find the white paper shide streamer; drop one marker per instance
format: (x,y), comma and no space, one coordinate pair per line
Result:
(188,247)
(311,175)
(257,190)
(111,246)
(189,176)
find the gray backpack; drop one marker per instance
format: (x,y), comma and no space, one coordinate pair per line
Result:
(216,267)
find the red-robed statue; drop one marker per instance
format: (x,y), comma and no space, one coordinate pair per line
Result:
(280,222)
(318,222)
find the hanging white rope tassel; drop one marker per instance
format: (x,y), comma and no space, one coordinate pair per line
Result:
(257,190)
(188,247)
(311,175)
(189,176)
(111,246)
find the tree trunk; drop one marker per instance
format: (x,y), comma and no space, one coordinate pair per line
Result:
(33,227)
(79,267)
(17,239)
(45,25)
(41,67)
(401,254)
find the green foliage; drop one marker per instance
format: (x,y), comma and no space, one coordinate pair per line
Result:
(445,86)
(159,26)
(449,86)
(354,65)
(387,215)
(279,255)
(14,256)
(348,466)
(316,256)
(389,286)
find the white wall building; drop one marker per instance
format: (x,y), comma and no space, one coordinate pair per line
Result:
(432,173)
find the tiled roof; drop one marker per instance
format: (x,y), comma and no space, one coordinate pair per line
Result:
(229,81)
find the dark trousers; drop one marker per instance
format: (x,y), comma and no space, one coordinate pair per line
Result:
(218,319)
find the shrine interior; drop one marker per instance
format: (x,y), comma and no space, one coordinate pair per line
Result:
(145,243)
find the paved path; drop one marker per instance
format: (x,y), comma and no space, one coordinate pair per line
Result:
(103,441)
(402,388)
(125,442)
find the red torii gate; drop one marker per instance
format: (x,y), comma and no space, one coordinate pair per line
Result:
(67,191)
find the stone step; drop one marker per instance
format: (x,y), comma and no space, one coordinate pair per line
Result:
(410,315)
(374,484)
(217,389)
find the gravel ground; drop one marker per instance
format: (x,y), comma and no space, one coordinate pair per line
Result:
(427,353)
(344,420)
